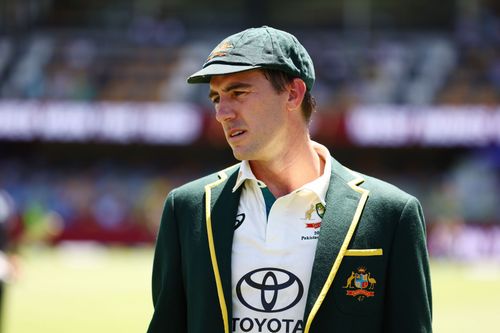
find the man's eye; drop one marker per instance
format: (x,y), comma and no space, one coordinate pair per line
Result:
(215,100)
(238,93)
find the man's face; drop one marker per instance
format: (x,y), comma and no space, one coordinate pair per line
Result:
(252,114)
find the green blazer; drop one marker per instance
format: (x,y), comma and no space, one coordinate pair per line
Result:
(370,271)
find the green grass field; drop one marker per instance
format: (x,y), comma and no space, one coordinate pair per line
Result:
(77,290)
(93,289)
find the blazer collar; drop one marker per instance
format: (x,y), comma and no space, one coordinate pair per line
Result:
(345,201)
(221,207)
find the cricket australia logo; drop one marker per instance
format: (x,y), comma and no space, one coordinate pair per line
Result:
(360,283)
(319,208)
(313,221)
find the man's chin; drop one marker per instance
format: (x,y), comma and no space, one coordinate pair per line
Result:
(240,155)
(237,156)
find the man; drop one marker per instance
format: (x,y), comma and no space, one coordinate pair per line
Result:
(288,240)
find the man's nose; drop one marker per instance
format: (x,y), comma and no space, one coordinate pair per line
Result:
(224,110)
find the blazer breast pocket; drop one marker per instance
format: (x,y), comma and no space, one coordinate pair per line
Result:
(359,285)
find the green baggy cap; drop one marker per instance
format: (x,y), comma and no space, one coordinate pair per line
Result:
(263,47)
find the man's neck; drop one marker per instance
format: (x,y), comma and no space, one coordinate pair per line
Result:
(293,169)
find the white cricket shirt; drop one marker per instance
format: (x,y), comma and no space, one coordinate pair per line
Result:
(272,256)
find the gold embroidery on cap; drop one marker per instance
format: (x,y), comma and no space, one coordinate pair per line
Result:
(220,50)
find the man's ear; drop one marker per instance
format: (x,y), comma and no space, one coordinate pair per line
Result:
(296,91)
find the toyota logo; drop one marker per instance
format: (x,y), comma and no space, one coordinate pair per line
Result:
(271,284)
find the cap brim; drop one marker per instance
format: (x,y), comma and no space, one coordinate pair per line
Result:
(204,75)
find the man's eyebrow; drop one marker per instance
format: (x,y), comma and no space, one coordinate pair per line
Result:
(232,86)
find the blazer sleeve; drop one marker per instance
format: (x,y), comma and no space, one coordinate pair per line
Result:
(169,299)
(408,305)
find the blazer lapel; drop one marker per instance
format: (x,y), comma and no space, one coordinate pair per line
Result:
(344,204)
(220,220)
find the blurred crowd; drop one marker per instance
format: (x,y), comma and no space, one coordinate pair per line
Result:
(116,202)
(109,202)
(151,60)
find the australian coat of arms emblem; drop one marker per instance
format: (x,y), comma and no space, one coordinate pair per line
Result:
(360,284)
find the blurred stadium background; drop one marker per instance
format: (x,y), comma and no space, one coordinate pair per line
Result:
(97,124)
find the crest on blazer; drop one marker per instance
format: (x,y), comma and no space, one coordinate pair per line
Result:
(360,284)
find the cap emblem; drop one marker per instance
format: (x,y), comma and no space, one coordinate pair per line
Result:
(220,50)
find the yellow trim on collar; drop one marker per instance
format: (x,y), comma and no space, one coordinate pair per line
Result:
(364,252)
(211,246)
(343,249)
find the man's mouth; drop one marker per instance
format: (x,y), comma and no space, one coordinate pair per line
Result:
(236,133)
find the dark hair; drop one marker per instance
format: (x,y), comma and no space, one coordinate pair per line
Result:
(280,79)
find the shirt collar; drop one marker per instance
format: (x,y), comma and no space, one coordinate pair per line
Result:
(244,174)
(319,185)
